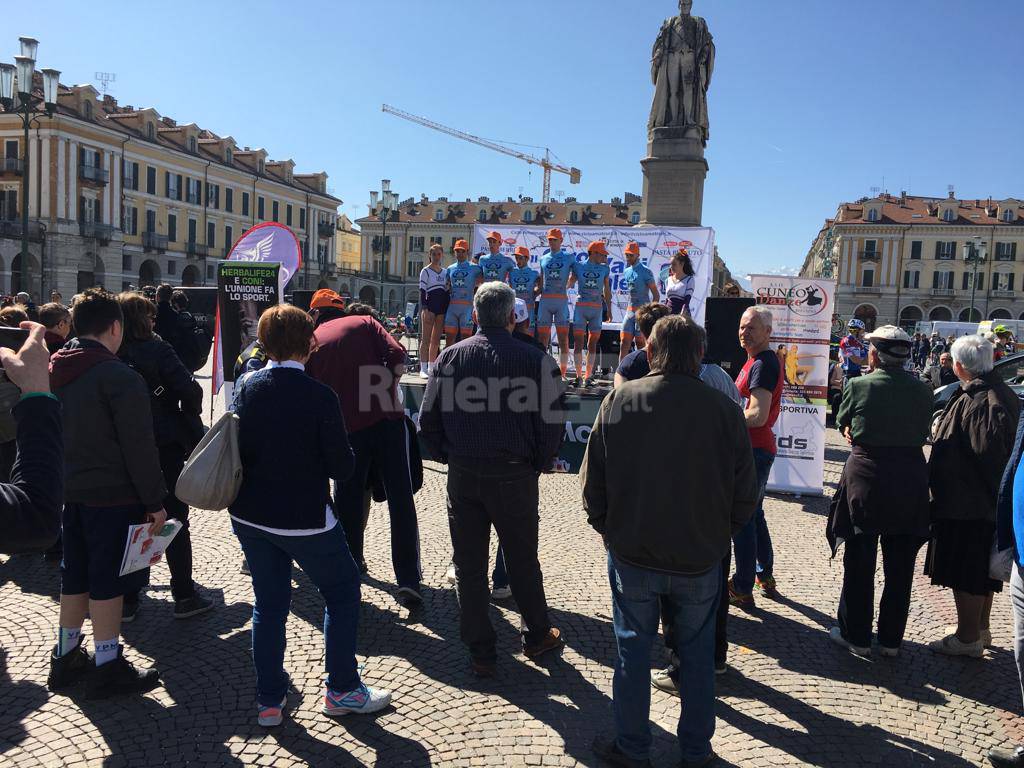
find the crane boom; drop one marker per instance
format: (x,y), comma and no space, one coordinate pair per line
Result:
(544,162)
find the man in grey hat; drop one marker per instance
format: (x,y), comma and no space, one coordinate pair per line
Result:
(883,493)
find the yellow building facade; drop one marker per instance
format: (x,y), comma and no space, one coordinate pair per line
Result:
(124,197)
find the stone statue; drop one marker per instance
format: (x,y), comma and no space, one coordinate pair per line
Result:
(682,61)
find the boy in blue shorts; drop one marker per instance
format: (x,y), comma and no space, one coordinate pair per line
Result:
(495,265)
(594,293)
(523,280)
(462,279)
(113,480)
(555,267)
(640,283)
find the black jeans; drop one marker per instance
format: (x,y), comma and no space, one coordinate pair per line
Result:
(857,601)
(385,445)
(504,495)
(721,620)
(179,553)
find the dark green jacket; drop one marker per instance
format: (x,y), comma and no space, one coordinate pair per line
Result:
(887,408)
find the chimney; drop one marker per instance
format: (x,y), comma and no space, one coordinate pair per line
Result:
(903,198)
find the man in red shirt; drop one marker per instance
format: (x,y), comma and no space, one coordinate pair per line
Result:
(760,384)
(362,363)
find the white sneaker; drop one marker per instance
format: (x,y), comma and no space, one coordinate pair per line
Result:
(361,701)
(501,593)
(951,645)
(450,575)
(662,680)
(424,374)
(836,636)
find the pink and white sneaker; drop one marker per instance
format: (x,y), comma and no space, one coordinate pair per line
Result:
(360,701)
(269,716)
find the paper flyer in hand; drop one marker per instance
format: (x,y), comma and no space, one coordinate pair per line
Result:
(142,549)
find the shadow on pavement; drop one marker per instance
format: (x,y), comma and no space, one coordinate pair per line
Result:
(21,699)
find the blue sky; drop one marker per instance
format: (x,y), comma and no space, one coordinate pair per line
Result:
(813,101)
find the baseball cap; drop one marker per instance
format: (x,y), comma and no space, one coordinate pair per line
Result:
(554,234)
(598,246)
(494,236)
(633,248)
(461,245)
(522,313)
(891,341)
(522,250)
(325,297)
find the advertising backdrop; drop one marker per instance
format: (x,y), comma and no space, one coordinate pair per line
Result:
(802,323)
(244,291)
(657,246)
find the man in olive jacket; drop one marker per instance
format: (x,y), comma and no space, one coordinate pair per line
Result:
(667,478)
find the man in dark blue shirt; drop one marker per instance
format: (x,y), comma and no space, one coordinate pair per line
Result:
(493,410)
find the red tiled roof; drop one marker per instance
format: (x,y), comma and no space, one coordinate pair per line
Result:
(911,209)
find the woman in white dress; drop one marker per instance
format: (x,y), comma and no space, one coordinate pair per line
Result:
(680,284)
(434,299)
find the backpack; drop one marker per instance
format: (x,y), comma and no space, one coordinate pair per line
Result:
(193,342)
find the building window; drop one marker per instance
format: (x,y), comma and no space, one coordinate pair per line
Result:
(527,215)
(150,181)
(949,215)
(193,189)
(211,235)
(574,217)
(260,207)
(302,218)
(191,230)
(245,203)
(9,204)
(288,214)
(634,217)
(150,131)
(126,262)
(969,278)
(260,167)
(872,214)
(170,267)
(229,199)
(912,278)
(915,249)
(150,220)
(172,227)
(869,278)
(482,216)
(436,240)
(87,109)
(1004,281)
(1009,215)
(229,156)
(1006,251)
(942,280)
(870,248)
(438,215)
(275,209)
(213,195)
(131,220)
(192,144)
(416,245)
(131,176)
(211,272)
(945,250)
(172,185)
(413,268)
(229,237)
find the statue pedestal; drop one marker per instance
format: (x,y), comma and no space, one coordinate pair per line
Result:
(674,173)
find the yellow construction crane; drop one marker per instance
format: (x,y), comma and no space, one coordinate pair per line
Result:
(543,162)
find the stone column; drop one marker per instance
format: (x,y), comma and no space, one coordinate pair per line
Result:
(674,172)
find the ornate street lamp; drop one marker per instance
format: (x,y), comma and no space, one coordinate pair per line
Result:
(975,251)
(29,108)
(384,204)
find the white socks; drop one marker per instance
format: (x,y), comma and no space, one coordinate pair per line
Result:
(67,640)
(106,651)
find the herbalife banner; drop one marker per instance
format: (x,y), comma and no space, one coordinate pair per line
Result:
(244,291)
(802,324)
(657,246)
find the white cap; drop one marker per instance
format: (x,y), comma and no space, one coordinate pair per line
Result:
(522,313)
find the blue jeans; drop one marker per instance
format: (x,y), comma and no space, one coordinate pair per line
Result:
(753,544)
(637,595)
(327,561)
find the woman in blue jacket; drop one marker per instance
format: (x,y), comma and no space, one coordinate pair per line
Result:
(293,442)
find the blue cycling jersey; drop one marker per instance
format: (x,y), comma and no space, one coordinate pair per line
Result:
(462,278)
(590,277)
(637,280)
(554,269)
(522,280)
(496,267)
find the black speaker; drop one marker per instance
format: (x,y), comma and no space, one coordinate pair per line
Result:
(722,322)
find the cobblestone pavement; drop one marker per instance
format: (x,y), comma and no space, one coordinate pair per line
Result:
(790,697)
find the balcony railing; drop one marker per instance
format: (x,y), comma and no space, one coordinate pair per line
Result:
(96,229)
(153,241)
(867,289)
(869,255)
(943,292)
(193,248)
(11,229)
(324,229)
(1003,293)
(12,165)
(94,174)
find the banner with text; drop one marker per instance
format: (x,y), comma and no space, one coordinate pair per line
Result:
(802,323)
(657,246)
(244,291)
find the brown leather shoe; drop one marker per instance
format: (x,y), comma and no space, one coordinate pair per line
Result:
(483,668)
(552,642)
